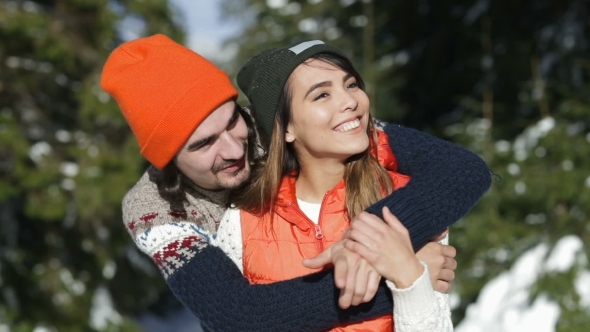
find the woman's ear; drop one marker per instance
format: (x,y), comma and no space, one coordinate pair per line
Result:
(289,137)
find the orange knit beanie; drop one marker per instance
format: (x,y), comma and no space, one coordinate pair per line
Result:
(165,91)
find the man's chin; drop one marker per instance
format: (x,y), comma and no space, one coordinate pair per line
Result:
(234,180)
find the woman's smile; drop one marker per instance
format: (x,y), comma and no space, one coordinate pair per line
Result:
(349,125)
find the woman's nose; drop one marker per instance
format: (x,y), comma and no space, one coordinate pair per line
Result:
(349,101)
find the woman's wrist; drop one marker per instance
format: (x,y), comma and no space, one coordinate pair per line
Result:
(407,276)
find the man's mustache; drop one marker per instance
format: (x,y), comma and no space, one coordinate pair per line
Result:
(226,163)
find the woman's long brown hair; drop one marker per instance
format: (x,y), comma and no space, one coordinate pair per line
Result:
(366,179)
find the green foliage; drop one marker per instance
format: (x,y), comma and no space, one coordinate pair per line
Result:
(508,80)
(67,157)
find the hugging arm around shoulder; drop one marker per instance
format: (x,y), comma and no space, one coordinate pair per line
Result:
(213,288)
(446,182)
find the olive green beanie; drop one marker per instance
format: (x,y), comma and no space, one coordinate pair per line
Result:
(263,78)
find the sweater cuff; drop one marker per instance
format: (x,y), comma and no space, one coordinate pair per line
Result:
(419,297)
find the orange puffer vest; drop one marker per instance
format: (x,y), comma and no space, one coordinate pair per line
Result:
(275,244)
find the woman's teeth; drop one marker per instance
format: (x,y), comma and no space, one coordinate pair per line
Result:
(347,126)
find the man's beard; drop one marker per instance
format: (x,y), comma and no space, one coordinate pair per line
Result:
(238,177)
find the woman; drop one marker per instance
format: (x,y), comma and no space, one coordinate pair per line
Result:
(326,163)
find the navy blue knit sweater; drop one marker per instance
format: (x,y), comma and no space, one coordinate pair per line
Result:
(447,180)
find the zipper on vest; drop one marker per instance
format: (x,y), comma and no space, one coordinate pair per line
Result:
(318,232)
(319,235)
(318,227)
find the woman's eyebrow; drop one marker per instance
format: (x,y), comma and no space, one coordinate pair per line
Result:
(318,85)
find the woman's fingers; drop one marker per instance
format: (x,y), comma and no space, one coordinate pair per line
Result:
(360,287)
(360,249)
(372,285)
(365,237)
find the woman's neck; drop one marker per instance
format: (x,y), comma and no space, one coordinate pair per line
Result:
(316,177)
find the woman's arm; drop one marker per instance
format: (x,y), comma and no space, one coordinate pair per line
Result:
(447,180)
(419,308)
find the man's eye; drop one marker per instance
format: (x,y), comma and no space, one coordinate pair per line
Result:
(200,145)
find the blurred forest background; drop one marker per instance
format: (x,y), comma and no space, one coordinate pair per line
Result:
(509,80)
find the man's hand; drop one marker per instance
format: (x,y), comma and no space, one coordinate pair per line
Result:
(357,279)
(441,263)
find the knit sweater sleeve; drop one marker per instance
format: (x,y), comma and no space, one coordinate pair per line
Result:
(212,287)
(447,181)
(419,308)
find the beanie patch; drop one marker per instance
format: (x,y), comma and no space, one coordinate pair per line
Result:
(305,45)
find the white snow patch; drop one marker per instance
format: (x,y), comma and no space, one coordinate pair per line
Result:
(502,146)
(513,169)
(308,25)
(69,169)
(275,4)
(567,165)
(520,188)
(563,255)
(102,311)
(529,139)
(39,150)
(503,305)
(582,285)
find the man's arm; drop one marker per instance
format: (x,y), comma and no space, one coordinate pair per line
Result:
(447,181)
(213,288)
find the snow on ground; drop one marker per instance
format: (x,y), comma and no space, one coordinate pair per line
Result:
(503,306)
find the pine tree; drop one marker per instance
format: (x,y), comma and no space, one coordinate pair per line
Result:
(66,159)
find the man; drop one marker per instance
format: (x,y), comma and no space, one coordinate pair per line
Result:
(181,109)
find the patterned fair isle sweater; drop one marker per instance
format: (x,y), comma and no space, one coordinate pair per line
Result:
(447,181)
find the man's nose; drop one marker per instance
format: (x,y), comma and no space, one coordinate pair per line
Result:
(232,148)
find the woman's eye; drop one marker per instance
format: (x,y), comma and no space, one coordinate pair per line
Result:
(321,95)
(353,85)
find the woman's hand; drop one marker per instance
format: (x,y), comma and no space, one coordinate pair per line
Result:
(357,279)
(386,245)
